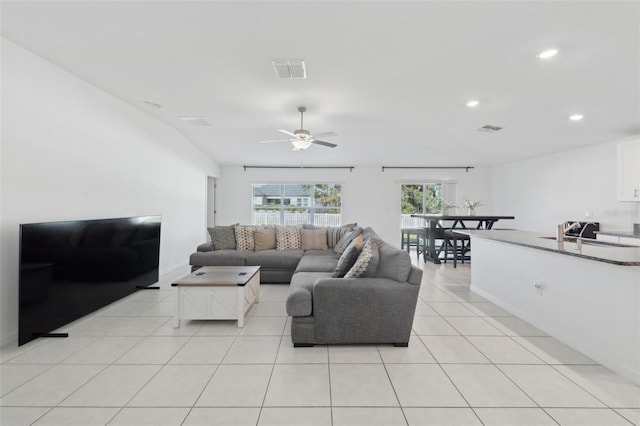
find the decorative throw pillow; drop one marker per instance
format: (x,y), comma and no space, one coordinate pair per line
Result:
(223,237)
(344,242)
(359,241)
(348,258)
(264,238)
(334,234)
(313,239)
(359,268)
(288,238)
(244,237)
(372,269)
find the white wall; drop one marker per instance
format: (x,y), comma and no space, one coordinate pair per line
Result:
(545,191)
(370,197)
(71,151)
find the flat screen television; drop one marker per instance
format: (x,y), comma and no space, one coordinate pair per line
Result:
(70,269)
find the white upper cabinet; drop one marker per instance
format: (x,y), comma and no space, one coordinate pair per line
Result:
(629,170)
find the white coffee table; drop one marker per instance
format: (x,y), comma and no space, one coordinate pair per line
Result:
(216,293)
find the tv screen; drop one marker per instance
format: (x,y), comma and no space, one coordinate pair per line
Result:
(70,269)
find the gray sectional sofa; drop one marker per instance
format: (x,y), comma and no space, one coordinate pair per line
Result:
(376,307)
(277,266)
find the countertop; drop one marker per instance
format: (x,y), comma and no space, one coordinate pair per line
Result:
(619,234)
(625,256)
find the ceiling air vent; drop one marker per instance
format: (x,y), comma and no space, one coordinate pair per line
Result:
(290,69)
(489,128)
(195,121)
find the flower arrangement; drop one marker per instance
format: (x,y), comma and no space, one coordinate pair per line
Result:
(447,205)
(471,206)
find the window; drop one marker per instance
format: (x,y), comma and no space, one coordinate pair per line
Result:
(296,204)
(419,199)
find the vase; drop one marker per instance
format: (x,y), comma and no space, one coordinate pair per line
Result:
(472,212)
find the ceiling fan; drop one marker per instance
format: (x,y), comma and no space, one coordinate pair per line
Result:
(303,139)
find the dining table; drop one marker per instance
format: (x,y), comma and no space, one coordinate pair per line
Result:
(433,222)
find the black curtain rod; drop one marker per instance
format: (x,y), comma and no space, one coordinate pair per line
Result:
(299,167)
(466,168)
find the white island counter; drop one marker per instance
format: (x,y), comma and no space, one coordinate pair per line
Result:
(588,298)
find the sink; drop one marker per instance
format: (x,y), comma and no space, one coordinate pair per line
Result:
(589,242)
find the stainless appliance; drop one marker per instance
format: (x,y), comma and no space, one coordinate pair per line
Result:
(583,229)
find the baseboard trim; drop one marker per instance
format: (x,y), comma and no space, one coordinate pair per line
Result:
(9,340)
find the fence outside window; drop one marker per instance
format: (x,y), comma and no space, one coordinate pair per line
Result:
(297,204)
(296,218)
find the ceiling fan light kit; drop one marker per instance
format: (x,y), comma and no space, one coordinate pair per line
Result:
(300,144)
(302,139)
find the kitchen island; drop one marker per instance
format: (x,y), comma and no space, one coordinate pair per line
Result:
(586,296)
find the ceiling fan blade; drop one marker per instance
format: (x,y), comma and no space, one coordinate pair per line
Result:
(286,132)
(329,144)
(276,140)
(325,135)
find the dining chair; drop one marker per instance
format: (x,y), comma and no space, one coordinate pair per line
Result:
(459,253)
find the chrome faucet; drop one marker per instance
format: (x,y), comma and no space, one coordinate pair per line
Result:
(563,228)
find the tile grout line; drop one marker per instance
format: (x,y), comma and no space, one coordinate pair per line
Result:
(395,392)
(273,367)
(331,418)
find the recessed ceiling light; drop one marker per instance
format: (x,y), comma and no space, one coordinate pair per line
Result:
(195,121)
(576,117)
(549,53)
(473,103)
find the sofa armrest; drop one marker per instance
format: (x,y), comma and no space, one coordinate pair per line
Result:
(208,246)
(351,309)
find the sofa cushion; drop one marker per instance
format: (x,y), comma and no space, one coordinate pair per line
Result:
(334,233)
(274,259)
(223,237)
(315,239)
(317,264)
(364,261)
(327,252)
(288,237)
(299,300)
(347,260)
(394,263)
(208,246)
(244,237)
(264,238)
(219,258)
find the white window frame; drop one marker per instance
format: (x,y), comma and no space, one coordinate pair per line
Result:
(311,208)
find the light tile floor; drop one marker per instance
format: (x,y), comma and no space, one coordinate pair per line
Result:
(468,363)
